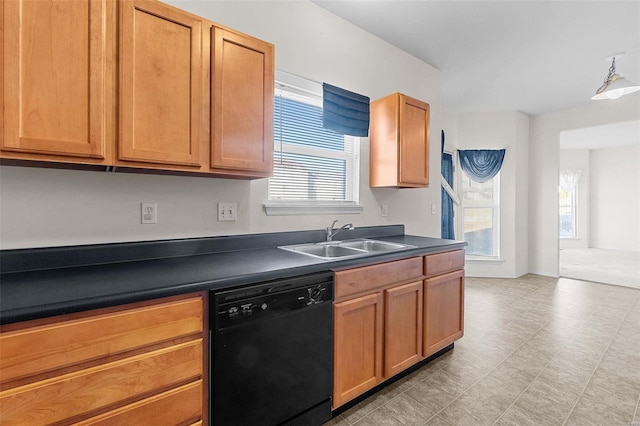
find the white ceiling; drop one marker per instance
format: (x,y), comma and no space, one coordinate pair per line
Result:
(501,55)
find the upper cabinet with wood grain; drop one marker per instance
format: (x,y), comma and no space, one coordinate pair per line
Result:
(135,84)
(57,77)
(242,84)
(399,142)
(160,86)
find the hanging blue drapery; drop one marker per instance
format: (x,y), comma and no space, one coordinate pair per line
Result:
(344,112)
(447,202)
(481,165)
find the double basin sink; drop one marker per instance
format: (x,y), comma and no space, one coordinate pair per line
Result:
(345,249)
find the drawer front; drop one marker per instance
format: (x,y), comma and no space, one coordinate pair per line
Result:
(81,392)
(182,405)
(437,264)
(39,349)
(370,278)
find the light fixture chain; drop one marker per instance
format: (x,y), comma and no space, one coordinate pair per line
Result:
(612,71)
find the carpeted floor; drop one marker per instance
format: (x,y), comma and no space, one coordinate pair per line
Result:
(603,266)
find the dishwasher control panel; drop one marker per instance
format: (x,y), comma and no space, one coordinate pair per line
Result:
(270,300)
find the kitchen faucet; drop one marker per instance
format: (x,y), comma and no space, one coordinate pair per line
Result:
(331,232)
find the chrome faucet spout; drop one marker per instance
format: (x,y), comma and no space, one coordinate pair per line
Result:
(331,231)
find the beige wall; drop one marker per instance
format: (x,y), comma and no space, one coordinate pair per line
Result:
(41,207)
(497,130)
(543,171)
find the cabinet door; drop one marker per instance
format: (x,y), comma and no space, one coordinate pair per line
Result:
(241,103)
(357,347)
(160,84)
(443,311)
(402,327)
(414,142)
(56,77)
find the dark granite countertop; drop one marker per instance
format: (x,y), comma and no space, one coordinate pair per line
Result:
(37,283)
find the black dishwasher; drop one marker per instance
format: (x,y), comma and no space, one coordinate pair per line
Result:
(272,353)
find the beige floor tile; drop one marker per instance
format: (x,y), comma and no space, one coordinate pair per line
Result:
(550,401)
(516,416)
(378,418)
(438,391)
(336,421)
(406,409)
(438,421)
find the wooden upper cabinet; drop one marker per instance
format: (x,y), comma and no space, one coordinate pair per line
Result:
(242,84)
(399,142)
(56,79)
(160,85)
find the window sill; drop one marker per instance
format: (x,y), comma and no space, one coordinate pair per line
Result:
(302,208)
(480,259)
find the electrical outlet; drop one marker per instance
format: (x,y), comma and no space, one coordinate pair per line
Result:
(434,209)
(149,212)
(384,210)
(227,212)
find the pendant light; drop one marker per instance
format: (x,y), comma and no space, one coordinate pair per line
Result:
(614,86)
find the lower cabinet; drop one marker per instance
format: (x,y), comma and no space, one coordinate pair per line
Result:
(392,315)
(125,365)
(357,347)
(444,311)
(402,327)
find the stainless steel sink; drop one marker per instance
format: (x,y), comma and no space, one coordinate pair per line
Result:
(372,245)
(344,249)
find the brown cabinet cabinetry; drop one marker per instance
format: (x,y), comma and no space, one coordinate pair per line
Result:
(160,87)
(241,103)
(134,84)
(399,142)
(444,311)
(57,78)
(403,327)
(108,366)
(373,304)
(357,347)
(390,316)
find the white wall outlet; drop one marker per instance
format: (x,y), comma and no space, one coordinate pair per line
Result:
(227,212)
(434,209)
(384,210)
(149,212)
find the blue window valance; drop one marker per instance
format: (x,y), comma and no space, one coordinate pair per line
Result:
(481,165)
(345,112)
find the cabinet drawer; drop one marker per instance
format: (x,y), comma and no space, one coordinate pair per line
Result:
(437,264)
(177,406)
(42,348)
(371,278)
(80,392)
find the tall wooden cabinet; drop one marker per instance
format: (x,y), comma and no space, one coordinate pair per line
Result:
(242,88)
(143,363)
(134,84)
(57,80)
(399,142)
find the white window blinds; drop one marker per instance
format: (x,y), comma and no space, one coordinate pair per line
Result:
(310,163)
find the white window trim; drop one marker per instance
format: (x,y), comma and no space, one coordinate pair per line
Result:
(474,258)
(310,207)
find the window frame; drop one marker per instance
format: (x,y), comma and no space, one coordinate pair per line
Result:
(495,206)
(574,212)
(296,86)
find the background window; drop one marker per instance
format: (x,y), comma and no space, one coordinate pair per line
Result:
(311,163)
(567,204)
(481,216)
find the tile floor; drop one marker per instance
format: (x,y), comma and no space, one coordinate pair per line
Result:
(536,351)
